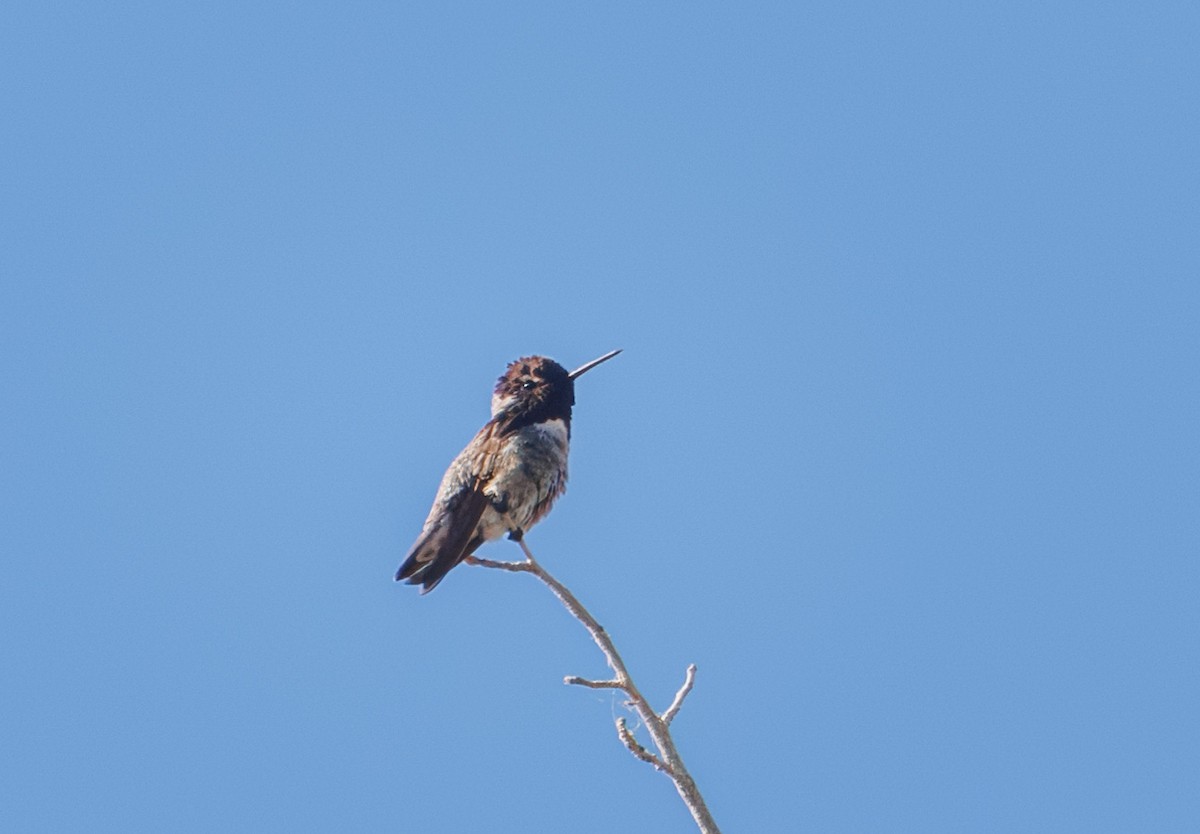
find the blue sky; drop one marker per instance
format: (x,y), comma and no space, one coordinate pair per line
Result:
(901,451)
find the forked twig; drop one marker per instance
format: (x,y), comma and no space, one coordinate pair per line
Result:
(667,759)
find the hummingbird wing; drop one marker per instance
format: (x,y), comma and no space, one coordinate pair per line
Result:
(451,530)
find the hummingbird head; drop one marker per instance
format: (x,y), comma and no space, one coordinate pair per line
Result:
(535,388)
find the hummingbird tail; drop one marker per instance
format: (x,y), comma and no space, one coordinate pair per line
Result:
(431,559)
(450,536)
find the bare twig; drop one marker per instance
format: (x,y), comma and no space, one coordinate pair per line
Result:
(688,682)
(668,759)
(590,684)
(515,567)
(635,747)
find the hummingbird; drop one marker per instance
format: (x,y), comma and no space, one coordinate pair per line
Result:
(508,476)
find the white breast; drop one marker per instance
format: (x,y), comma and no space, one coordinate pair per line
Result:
(556,430)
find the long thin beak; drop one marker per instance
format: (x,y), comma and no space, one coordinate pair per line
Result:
(582,369)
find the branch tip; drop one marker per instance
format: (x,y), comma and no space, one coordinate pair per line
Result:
(689,681)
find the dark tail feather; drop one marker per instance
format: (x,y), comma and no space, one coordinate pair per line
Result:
(450,538)
(425,570)
(427,574)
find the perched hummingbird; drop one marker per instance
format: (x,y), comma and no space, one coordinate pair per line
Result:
(508,477)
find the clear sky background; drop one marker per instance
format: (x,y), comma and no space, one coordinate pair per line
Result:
(902,450)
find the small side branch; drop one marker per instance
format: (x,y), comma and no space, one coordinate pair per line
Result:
(575,680)
(688,682)
(636,748)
